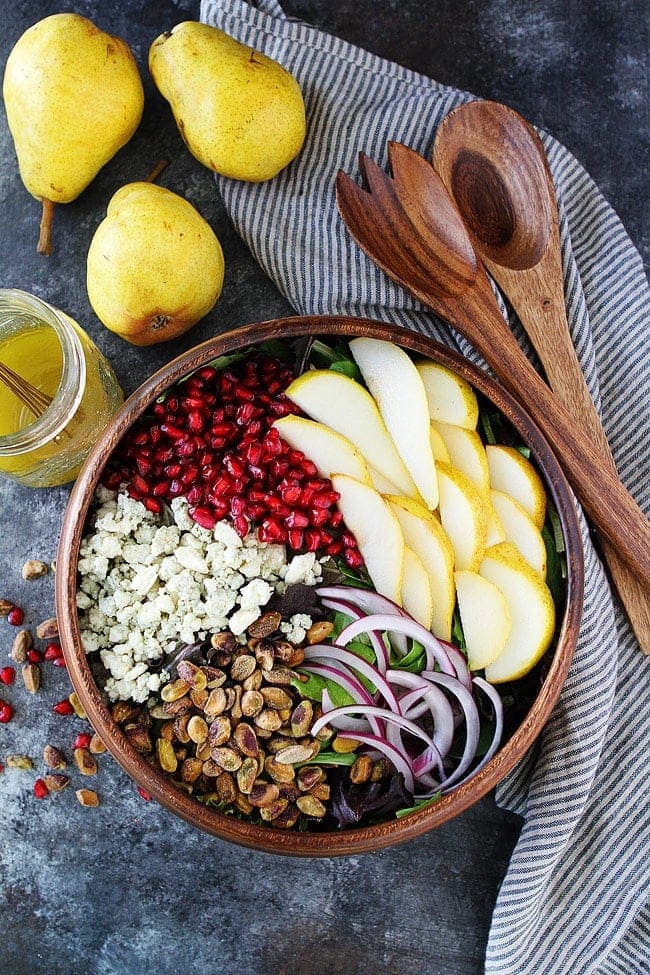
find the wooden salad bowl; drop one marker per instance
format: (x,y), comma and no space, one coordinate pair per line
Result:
(153,780)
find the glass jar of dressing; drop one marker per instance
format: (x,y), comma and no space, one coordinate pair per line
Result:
(50,352)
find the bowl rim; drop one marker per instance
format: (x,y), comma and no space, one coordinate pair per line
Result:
(227,827)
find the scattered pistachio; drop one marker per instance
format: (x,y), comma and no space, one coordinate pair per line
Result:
(311,806)
(77,705)
(84,761)
(33,569)
(319,631)
(31,674)
(96,746)
(5,607)
(87,797)
(48,629)
(22,762)
(57,782)
(54,757)
(22,643)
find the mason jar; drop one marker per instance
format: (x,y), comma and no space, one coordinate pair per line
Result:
(45,443)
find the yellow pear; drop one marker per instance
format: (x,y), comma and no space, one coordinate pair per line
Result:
(328,450)
(73,97)
(239,112)
(377,532)
(155,267)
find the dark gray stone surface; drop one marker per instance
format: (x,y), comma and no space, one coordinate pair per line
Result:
(128,889)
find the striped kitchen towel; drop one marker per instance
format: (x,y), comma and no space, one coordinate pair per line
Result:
(574,900)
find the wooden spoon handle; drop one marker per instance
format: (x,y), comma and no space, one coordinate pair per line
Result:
(604,498)
(537,296)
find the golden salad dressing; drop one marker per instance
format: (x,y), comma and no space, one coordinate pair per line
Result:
(52,353)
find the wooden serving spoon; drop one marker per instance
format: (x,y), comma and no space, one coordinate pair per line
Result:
(410,227)
(494,166)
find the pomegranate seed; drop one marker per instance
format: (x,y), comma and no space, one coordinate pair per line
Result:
(155,434)
(6,712)
(207,373)
(290,493)
(296,539)
(34,656)
(336,519)
(175,488)
(144,466)
(312,540)
(334,548)
(233,465)
(60,662)
(223,485)
(112,480)
(195,422)
(224,429)
(7,675)
(172,470)
(40,789)
(172,431)
(220,508)
(203,517)
(241,526)
(256,510)
(309,468)
(296,519)
(319,517)
(196,495)
(172,404)
(53,651)
(15,616)
(353,558)
(82,740)
(237,506)
(185,448)
(63,707)
(160,489)
(153,504)
(348,540)
(159,409)
(190,475)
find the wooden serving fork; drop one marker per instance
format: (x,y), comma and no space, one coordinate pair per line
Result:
(409,226)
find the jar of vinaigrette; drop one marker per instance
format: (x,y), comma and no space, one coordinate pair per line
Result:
(50,352)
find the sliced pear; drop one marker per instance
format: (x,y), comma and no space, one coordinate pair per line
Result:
(451,399)
(495,530)
(438,447)
(328,450)
(521,530)
(344,405)
(466,453)
(485,617)
(416,589)
(424,534)
(381,483)
(377,532)
(395,384)
(463,517)
(531,608)
(513,474)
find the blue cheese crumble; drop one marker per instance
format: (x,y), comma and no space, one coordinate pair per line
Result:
(146,587)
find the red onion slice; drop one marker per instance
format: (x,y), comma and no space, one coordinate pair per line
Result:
(393,754)
(366,710)
(472,722)
(441,710)
(459,664)
(324,652)
(369,602)
(435,652)
(497,704)
(347,680)
(376,642)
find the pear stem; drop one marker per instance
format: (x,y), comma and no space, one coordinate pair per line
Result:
(44,245)
(157,170)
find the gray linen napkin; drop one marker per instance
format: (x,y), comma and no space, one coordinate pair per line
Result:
(575,896)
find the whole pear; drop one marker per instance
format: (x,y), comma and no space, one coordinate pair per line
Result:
(73,96)
(155,267)
(240,113)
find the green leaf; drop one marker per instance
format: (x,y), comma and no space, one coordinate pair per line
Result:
(421,804)
(348,368)
(413,662)
(314,686)
(276,347)
(333,758)
(457,635)
(524,451)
